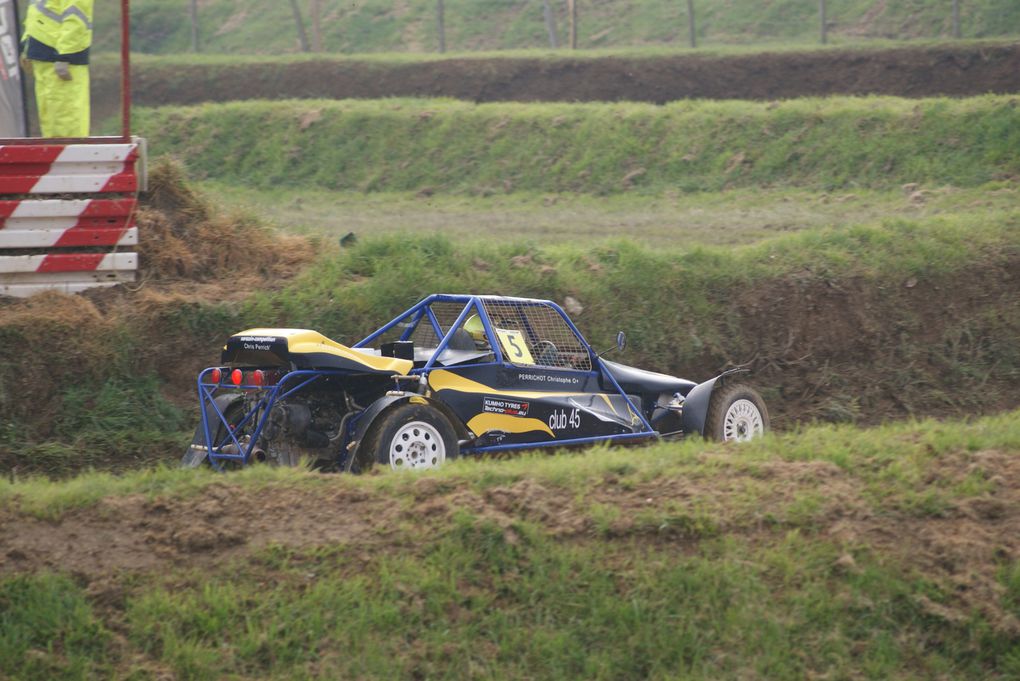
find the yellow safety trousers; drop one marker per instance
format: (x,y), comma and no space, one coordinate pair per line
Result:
(63,104)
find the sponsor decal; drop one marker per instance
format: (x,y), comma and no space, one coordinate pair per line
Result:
(263,343)
(549,378)
(564,420)
(501,405)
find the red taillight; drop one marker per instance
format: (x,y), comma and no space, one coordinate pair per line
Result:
(215,376)
(258,378)
(236,377)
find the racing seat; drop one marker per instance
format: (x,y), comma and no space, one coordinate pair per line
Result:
(461,340)
(640,382)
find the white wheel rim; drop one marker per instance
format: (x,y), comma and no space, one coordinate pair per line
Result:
(742,422)
(417,445)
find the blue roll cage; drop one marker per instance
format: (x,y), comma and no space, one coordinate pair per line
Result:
(294,381)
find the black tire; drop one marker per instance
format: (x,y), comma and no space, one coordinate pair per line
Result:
(410,437)
(736,413)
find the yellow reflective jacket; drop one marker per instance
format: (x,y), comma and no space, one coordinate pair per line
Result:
(65,26)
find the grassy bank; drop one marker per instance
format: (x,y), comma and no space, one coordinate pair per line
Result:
(856,324)
(379,26)
(728,218)
(832,552)
(442,146)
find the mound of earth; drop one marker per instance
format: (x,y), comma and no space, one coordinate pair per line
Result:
(190,253)
(904,72)
(182,237)
(963,545)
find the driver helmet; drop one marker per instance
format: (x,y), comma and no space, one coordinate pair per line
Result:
(474,326)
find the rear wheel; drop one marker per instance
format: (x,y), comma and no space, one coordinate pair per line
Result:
(197,454)
(412,437)
(736,413)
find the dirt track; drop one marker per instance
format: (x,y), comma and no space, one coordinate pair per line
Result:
(905,72)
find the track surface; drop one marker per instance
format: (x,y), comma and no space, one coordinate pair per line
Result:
(905,72)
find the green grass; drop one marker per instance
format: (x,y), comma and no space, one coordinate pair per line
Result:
(733,578)
(540,610)
(687,309)
(48,630)
(447,147)
(726,218)
(384,26)
(610,276)
(41,498)
(891,463)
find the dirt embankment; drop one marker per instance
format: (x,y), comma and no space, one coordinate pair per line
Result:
(823,347)
(851,350)
(963,546)
(905,72)
(190,254)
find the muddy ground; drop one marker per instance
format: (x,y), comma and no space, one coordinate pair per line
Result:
(904,72)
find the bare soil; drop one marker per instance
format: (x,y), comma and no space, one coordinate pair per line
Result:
(961,548)
(852,350)
(903,71)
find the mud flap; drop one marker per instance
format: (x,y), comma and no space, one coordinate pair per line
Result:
(198,450)
(697,401)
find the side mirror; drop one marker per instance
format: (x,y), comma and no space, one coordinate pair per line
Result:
(621,343)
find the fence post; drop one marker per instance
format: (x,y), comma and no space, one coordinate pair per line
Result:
(441,25)
(691,33)
(572,12)
(302,35)
(956,18)
(550,24)
(821,18)
(193,14)
(316,13)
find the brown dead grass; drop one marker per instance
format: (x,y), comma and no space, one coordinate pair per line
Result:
(64,337)
(184,237)
(191,253)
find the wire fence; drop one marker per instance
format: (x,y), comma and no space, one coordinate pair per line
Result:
(421,26)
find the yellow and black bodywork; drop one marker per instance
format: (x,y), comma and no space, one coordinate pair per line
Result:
(304,349)
(529,380)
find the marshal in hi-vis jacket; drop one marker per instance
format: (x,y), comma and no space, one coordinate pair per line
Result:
(58,30)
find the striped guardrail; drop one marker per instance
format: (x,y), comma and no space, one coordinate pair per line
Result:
(51,237)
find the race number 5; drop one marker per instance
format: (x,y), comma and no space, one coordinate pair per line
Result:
(514,346)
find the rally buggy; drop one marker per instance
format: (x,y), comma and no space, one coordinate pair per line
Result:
(454,375)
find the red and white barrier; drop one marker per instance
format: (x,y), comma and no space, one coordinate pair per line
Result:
(65,224)
(74,243)
(67,168)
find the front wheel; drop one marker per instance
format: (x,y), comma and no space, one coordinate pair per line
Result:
(736,413)
(413,437)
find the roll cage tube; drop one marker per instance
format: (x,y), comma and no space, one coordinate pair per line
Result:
(472,304)
(209,408)
(476,304)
